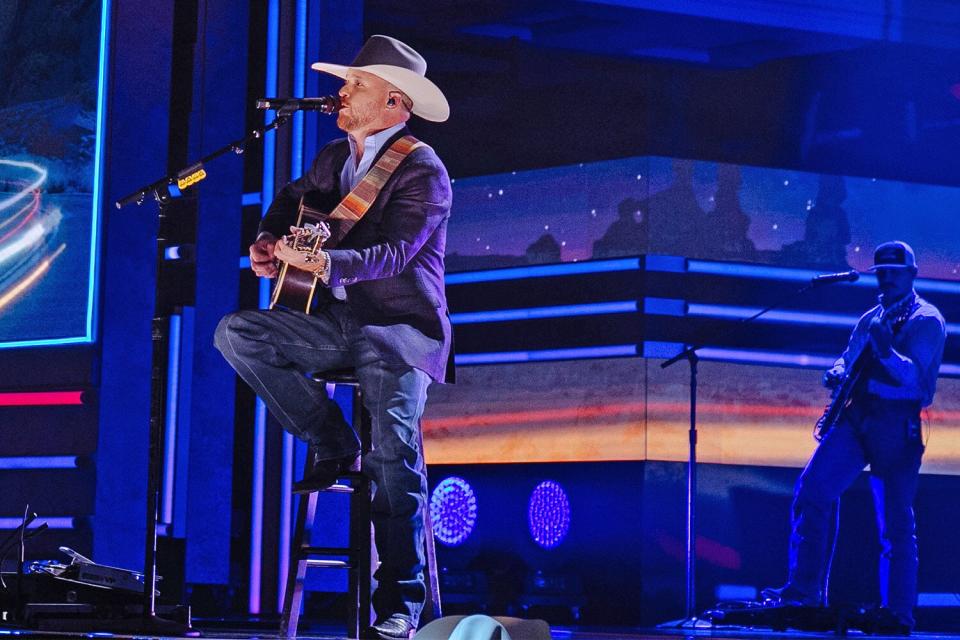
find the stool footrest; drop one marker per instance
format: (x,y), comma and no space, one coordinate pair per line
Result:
(346,377)
(339,488)
(327,551)
(330,564)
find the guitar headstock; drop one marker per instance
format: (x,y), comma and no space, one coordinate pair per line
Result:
(316,231)
(899,313)
(308,238)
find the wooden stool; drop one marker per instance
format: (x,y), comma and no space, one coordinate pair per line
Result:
(359,558)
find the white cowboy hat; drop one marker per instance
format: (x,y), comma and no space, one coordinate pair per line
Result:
(401,66)
(481,627)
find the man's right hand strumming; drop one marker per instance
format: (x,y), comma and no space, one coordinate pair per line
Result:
(834,376)
(261,256)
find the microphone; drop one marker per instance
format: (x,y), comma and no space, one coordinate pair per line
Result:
(326,104)
(830,278)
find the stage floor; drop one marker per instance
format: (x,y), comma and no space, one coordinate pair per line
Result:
(562,633)
(558,633)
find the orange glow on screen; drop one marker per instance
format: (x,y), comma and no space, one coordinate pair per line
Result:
(630,409)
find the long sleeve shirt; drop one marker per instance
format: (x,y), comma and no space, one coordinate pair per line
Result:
(909,371)
(350,176)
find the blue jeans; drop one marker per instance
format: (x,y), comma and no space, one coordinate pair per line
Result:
(886,435)
(273,351)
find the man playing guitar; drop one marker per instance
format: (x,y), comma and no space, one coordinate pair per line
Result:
(886,375)
(382,311)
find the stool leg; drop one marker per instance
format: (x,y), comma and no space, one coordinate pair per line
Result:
(360,585)
(373,564)
(293,594)
(360,588)
(432,609)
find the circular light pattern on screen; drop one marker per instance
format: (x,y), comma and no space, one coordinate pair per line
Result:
(453,511)
(549,514)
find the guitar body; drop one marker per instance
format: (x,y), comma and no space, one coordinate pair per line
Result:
(841,395)
(896,317)
(296,289)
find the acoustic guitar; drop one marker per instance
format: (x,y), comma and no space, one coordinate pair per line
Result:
(296,288)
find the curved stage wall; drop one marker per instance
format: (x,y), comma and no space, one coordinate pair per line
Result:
(559,382)
(545,388)
(698,209)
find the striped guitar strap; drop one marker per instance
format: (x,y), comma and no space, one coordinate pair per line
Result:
(356,203)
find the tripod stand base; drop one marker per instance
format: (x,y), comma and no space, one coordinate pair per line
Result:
(756,615)
(686,623)
(87,618)
(149,626)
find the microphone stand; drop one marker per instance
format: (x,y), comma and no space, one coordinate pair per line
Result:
(15,535)
(690,355)
(160,334)
(18,538)
(194,173)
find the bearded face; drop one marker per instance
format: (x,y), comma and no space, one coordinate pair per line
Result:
(357,116)
(363,96)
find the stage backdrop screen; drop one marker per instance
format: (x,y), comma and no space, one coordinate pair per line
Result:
(707,210)
(629,408)
(52,55)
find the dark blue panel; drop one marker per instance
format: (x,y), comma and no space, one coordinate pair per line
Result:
(626,542)
(51,493)
(48,431)
(136,154)
(220,70)
(335,35)
(63,367)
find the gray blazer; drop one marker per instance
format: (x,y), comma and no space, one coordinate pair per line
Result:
(391,261)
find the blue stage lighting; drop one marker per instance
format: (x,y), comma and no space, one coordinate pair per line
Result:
(549,514)
(453,511)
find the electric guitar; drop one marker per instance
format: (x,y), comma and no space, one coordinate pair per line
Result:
(895,317)
(296,288)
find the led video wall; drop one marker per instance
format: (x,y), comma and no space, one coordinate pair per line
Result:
(628,408)
(631,409)
(666,206)
(51,104)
